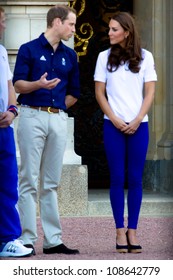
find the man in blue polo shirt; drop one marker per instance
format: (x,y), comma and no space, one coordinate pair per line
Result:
(47,77)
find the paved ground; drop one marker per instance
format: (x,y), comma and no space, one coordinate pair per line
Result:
(95,238)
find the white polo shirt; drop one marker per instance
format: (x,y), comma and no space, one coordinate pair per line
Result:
(125,89)
(5,75)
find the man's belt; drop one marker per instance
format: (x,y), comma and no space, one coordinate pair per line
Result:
(50,110)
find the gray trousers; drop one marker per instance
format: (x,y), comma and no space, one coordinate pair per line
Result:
(42,139)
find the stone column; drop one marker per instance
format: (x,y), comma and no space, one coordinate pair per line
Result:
(165,145)
(155,18)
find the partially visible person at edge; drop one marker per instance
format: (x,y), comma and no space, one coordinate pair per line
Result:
(123,73)
(10,227)
(46,75)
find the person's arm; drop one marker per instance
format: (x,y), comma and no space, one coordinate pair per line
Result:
(7,117)
(12,94)
(100,89)
(25,87)
(70,101)
(149,91)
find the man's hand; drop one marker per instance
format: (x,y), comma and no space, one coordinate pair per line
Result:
(26,87)
(48,84)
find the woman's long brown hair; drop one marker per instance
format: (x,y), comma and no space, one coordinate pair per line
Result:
(132,51)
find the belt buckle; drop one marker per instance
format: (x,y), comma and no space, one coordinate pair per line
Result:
(48,109)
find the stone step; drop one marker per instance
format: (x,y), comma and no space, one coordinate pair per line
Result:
(153,204)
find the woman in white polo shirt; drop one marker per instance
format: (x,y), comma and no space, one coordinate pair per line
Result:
(125,85)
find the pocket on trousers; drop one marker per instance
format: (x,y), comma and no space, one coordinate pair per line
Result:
(28,113)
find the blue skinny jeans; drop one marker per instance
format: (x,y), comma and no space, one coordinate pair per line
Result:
(126,155)
(10,227)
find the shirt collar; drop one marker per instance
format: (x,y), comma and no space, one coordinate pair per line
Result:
(45,42)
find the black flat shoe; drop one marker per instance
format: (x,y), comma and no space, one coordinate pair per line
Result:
(133,248)
(122,248)
(31,246)
(60,249)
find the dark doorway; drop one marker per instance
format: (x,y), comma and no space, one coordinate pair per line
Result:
(92,30)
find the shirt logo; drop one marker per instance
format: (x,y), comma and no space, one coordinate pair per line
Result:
(63,61)
(43,58)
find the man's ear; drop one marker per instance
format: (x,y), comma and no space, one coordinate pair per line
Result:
(59,20)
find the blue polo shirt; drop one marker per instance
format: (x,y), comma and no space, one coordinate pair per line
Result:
(37,57)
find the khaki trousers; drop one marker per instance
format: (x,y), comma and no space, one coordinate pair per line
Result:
(42,140)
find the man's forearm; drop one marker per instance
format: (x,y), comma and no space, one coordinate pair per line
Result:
(70,101)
